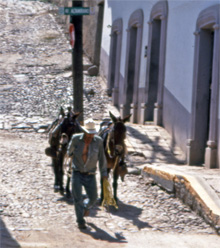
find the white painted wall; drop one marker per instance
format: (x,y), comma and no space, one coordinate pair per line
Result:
(182,17)
(179,59)
(115,9)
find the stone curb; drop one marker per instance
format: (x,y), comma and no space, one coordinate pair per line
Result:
(193,191)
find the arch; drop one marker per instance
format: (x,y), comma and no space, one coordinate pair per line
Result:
(98,36)
(114,60)
(159,9)
(151,109)
(132,66)
(205,99)
(208,17)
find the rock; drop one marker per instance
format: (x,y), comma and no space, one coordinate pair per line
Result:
(86,66)
(93,71)
(134,171)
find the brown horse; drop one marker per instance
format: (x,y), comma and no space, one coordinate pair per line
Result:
(60,134)
(114,134)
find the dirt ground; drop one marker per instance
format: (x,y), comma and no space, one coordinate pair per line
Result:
(32,215)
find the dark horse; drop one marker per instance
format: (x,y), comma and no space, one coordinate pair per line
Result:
(60,134)
(114,134)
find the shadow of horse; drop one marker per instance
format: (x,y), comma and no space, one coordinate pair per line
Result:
(129,212)
(157,148)
(100,234)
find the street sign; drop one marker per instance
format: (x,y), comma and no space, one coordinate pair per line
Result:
(72,34)
(76,11)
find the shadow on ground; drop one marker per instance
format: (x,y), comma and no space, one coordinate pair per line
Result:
(6,240)
(100,234)
(130,212)
(168,157)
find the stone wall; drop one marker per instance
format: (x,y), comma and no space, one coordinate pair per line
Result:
(89,25)
(62,19)
(184,188)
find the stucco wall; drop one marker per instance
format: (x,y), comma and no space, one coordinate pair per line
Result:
(89,31)
(89,25)
(181,26)
(105,45)
(179,68)
(124,9)
(179,58)
(179,127)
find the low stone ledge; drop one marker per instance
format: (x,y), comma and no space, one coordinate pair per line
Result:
(162,178)
(190,191)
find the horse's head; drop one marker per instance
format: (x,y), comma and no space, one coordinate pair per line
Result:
(70,123)
(118,133)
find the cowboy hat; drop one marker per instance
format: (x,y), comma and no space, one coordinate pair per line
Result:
(89,127)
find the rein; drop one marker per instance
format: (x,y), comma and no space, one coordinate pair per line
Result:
(109,151)
(116,162)
(108,148)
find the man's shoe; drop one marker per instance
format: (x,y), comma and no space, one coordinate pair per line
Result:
(82,226)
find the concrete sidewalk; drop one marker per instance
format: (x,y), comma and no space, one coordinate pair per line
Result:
(197,186)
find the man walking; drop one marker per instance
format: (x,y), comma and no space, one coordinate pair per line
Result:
(86,149)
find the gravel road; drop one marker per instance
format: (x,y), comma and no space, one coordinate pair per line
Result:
(35,80)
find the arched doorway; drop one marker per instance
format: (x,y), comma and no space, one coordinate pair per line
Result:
(154,68)
(152,107)
(132,68)
(98,38)
(202,144)
(114,61)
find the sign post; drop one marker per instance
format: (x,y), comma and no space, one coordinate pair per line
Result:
(76,21)
(76,40)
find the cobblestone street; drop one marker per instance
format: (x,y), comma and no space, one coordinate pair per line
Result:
(31,208)
(35,68)
(35,80)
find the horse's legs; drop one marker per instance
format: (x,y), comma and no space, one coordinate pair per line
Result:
(56,174)
(60,171)
(115,185)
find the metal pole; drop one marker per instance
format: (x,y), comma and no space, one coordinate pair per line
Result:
(77,63)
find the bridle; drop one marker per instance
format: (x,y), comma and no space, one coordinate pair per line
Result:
(118,149)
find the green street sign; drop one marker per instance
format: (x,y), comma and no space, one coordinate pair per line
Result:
(76,11)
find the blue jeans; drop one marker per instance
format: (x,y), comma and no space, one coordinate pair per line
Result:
(89,183)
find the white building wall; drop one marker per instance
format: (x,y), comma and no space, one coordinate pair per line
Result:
(181,26)
(182,16)
(179,65)
(115,9)
(105,45)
